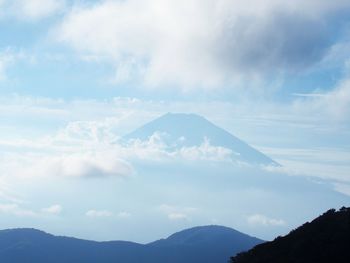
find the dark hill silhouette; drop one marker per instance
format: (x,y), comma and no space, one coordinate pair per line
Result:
(200,244)
(180,129)
(325,239)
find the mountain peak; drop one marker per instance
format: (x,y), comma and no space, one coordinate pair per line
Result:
(188,130)
(23,231)
(202,234)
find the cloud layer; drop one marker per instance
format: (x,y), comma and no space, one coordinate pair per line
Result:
(203,44)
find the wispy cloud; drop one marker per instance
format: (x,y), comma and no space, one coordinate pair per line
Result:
(309,95)
(324,163)
(262,220)
(333,104)
(54,209)
(98,213)
(175,213)
(31,10)
(7,58)
(124,215)
(107,213)
(16,210)
(7,194)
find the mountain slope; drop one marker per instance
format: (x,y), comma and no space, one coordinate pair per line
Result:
(209,240)
(187,130)
(325,239)
(203,244)
(30,245)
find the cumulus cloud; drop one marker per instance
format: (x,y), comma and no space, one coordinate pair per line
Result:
(206,151)
(54,209)
(262,220)
(201,43)
(75,165)
(98,213)
(156,147)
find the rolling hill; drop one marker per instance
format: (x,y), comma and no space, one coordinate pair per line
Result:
(199,244)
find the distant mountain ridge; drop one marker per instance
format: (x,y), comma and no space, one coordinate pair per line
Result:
(196,245)
(191,130)
(325,239)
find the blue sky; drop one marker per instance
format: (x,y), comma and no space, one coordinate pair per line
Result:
(77,75)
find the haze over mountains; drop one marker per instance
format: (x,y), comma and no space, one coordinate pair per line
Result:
(197,178)
(196,245)
(254,190)
(180,173)
(324,239)
(259,137)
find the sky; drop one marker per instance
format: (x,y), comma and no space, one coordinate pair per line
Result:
(77,75)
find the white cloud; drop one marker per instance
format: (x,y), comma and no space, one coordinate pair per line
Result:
(342,188)
(89,149)
(74,165)
(262,220)
(89,146)
(207,152)
(7,58)
(7,193)
(106,213)
(324,163)
(54,209)
(98,213)
(2,70)
(178,216)
(32,10)
(16,210)
(175,213)
(156,148)
(334,104)
(327,171)
(200,43)
(123,215)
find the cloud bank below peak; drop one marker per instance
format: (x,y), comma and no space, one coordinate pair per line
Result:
(202,44)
